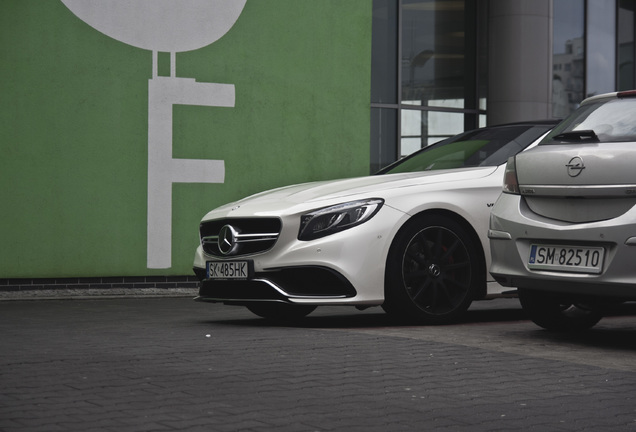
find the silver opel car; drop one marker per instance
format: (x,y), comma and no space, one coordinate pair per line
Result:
(564,229)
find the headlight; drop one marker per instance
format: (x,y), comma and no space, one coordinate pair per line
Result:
(333,219)
(511,184)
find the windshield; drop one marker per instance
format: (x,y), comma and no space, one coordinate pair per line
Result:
(609,120)
(477,148)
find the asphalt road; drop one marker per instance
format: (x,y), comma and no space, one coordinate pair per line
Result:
(167,364)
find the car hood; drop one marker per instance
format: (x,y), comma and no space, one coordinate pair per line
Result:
(329,192)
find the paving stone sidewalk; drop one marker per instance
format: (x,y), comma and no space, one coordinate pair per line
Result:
(170,364)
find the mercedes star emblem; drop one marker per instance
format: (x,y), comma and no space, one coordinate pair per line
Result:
(227,239)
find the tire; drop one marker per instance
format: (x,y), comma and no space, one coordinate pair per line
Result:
(280,311)
(434,271)
(556,314)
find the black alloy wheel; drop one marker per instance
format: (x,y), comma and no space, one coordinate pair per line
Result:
(434,271)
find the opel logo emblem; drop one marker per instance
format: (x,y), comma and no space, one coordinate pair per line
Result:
(575,166)
(227,239)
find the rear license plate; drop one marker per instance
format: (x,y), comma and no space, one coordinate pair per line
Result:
(229,269)
(566,258)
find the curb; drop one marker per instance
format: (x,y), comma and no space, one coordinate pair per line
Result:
(96,294)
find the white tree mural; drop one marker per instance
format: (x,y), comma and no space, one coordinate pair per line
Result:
(167,26)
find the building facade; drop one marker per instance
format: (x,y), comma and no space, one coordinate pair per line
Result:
(443,66)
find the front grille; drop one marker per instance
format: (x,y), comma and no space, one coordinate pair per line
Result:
(249,235)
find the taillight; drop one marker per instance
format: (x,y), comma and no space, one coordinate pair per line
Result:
(511,184)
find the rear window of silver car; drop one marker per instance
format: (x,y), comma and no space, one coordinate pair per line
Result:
(604,120)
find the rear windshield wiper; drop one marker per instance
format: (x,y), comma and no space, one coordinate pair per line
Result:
(577,135)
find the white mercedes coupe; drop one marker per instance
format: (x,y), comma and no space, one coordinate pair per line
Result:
(412,238)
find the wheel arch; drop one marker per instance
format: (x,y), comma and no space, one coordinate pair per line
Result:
(457,218)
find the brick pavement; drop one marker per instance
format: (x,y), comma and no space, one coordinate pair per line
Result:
(167,364)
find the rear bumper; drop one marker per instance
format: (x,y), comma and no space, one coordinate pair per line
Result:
(579,289)
(513,228)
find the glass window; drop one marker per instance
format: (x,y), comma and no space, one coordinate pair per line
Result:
(568,56)
(433,50)
(414,129)
(443,125)
(606,120)
(423,128)
(383,138)
(428,74)
(626,45)
(601,51)
(384,52)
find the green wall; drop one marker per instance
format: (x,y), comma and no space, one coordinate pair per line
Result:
(74,127)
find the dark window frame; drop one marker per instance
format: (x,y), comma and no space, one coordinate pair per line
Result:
(471,111)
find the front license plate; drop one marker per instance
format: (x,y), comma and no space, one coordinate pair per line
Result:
(229,269)
(566,258)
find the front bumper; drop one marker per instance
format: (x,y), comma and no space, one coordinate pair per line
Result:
(344,268)
(286,285)
(514,227)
